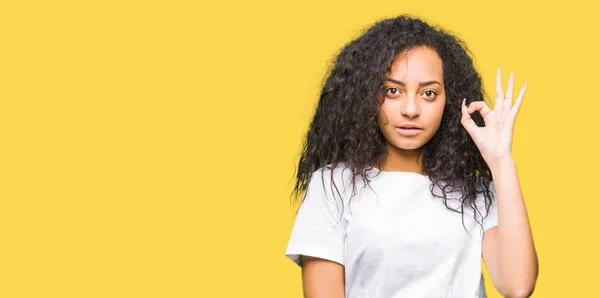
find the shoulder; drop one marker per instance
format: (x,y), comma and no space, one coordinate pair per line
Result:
(333,180)
(482,187)
(454,192)
(340,174)
(487,202)
(481,182)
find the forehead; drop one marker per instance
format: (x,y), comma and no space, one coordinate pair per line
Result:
(418,64)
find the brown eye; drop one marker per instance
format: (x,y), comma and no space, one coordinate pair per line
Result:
(430,94)
(393,91)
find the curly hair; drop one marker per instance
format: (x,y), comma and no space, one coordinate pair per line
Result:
(344,128)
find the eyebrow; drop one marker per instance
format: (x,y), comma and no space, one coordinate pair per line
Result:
(421,84)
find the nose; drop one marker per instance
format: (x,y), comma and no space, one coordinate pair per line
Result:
(410,107)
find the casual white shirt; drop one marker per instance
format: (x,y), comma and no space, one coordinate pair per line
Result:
(394,240)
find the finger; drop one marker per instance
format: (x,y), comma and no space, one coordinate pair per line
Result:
(499,94)
(509,92)
(517,106)
(480,106)
(466,119)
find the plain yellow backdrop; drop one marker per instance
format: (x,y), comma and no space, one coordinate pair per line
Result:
(147,148)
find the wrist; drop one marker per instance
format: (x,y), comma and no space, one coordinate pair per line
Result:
(501,163)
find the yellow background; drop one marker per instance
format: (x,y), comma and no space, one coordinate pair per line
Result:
(147,147)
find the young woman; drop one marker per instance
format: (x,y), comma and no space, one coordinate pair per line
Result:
(407,174)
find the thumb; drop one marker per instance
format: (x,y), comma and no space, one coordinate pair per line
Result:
(466,120)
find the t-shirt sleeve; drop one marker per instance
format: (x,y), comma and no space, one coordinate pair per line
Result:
(319,229)
(492,218)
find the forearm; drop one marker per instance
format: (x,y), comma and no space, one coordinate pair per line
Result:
(516,255)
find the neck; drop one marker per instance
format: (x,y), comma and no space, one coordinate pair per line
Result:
(402,160)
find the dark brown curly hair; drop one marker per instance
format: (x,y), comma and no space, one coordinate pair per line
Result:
(344,128)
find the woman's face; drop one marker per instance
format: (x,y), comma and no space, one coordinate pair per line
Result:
(413,99)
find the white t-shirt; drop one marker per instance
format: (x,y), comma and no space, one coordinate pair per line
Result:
(394,240)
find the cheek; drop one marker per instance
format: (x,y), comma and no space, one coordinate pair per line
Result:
(432,116)
(383,115)
(438,110)
(439,114)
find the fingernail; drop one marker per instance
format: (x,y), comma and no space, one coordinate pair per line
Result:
(499,70)
(525,84)
(512,75)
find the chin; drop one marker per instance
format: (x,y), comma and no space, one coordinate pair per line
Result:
(403,145)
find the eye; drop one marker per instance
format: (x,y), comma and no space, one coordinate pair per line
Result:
(392,91)
(430,94)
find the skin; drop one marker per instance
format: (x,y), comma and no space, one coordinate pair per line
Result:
(405,101)
(322,278)
(507,249)
(413,94)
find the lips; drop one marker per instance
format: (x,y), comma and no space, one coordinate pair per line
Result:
(409,126)
(409,130)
